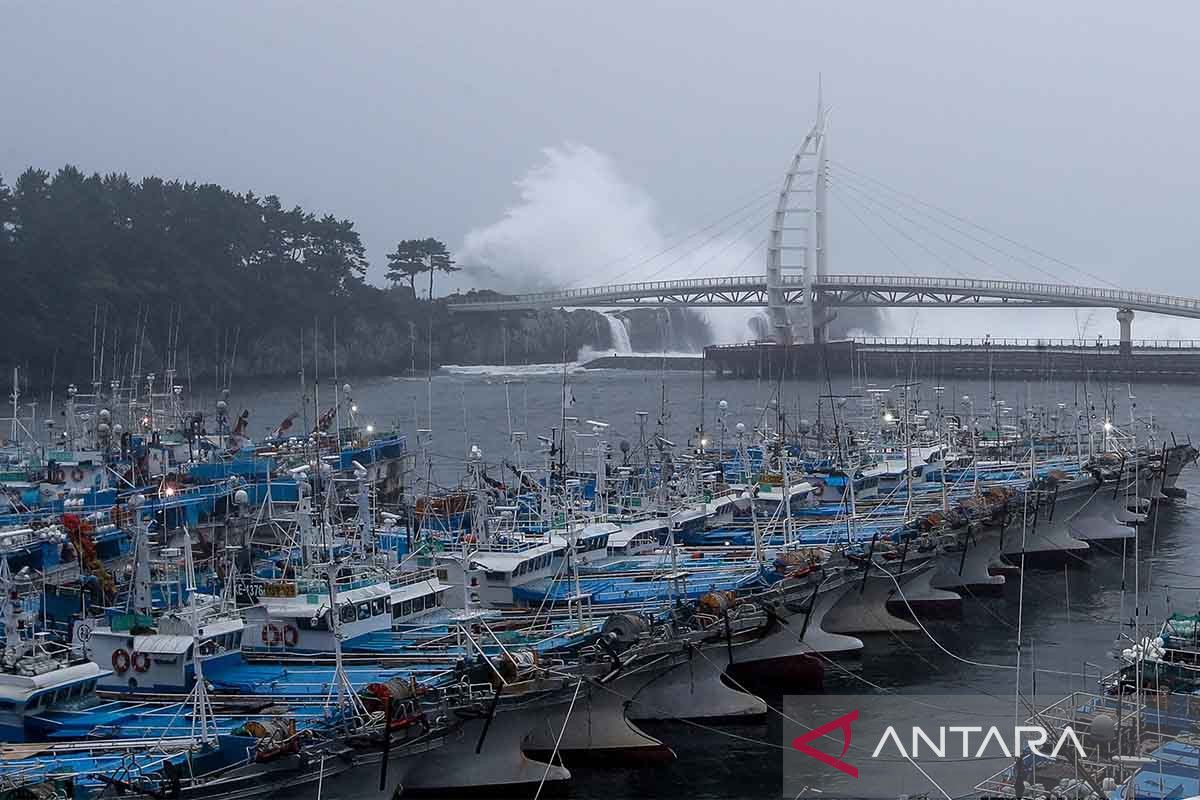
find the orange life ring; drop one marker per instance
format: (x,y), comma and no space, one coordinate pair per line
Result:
(290,635)
(271,635)
(77,475)
(120,660)
(141,662)
(59,475)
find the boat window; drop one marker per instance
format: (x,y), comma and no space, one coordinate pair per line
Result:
(443,575)
(378,606)
(418,604)
(347,614)
(364,611)
(498,577)
(237,640)
(406,608)
(437,599)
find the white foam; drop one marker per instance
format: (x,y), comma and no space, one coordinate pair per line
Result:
(620,334)
(510,369)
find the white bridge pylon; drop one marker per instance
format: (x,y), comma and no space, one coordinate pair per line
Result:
(796,243)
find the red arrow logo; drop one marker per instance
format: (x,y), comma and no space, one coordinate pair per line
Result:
(842,723)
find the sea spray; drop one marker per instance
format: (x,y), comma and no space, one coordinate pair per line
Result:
(578,222)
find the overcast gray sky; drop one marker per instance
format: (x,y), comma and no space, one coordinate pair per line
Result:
(567,141)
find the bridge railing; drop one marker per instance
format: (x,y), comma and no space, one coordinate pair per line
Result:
(1117,296)
(1084,344)
(1103,343)
(1088,295)
(588,292)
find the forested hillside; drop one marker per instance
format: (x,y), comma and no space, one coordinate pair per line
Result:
(104,270)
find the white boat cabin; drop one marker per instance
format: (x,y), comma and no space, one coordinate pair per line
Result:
(160,655)
(591,541)
(33,686)
(288,618)
(770,496)
(493,574)
(637,538)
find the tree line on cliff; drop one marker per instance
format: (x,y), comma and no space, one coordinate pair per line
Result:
(106,274)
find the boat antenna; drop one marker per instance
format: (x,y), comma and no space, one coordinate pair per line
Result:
(562,452)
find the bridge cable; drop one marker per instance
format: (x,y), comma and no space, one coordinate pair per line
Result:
(728,246)
(977,226)
(835,189)
(871,198)
(678,237)
(874,233)
(852,183)
(760,244)
(722,232)
(754,202)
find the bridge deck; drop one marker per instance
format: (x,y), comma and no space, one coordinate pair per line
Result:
(840,290)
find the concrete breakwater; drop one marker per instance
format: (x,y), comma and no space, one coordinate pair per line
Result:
(1163,360)
(647,361)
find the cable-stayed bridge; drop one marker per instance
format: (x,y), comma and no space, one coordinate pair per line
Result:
(828,292)
(801,296)
(831,291)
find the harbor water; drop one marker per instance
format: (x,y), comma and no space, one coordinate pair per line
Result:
(1072,615)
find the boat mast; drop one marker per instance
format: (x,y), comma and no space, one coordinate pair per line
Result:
(202,710)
